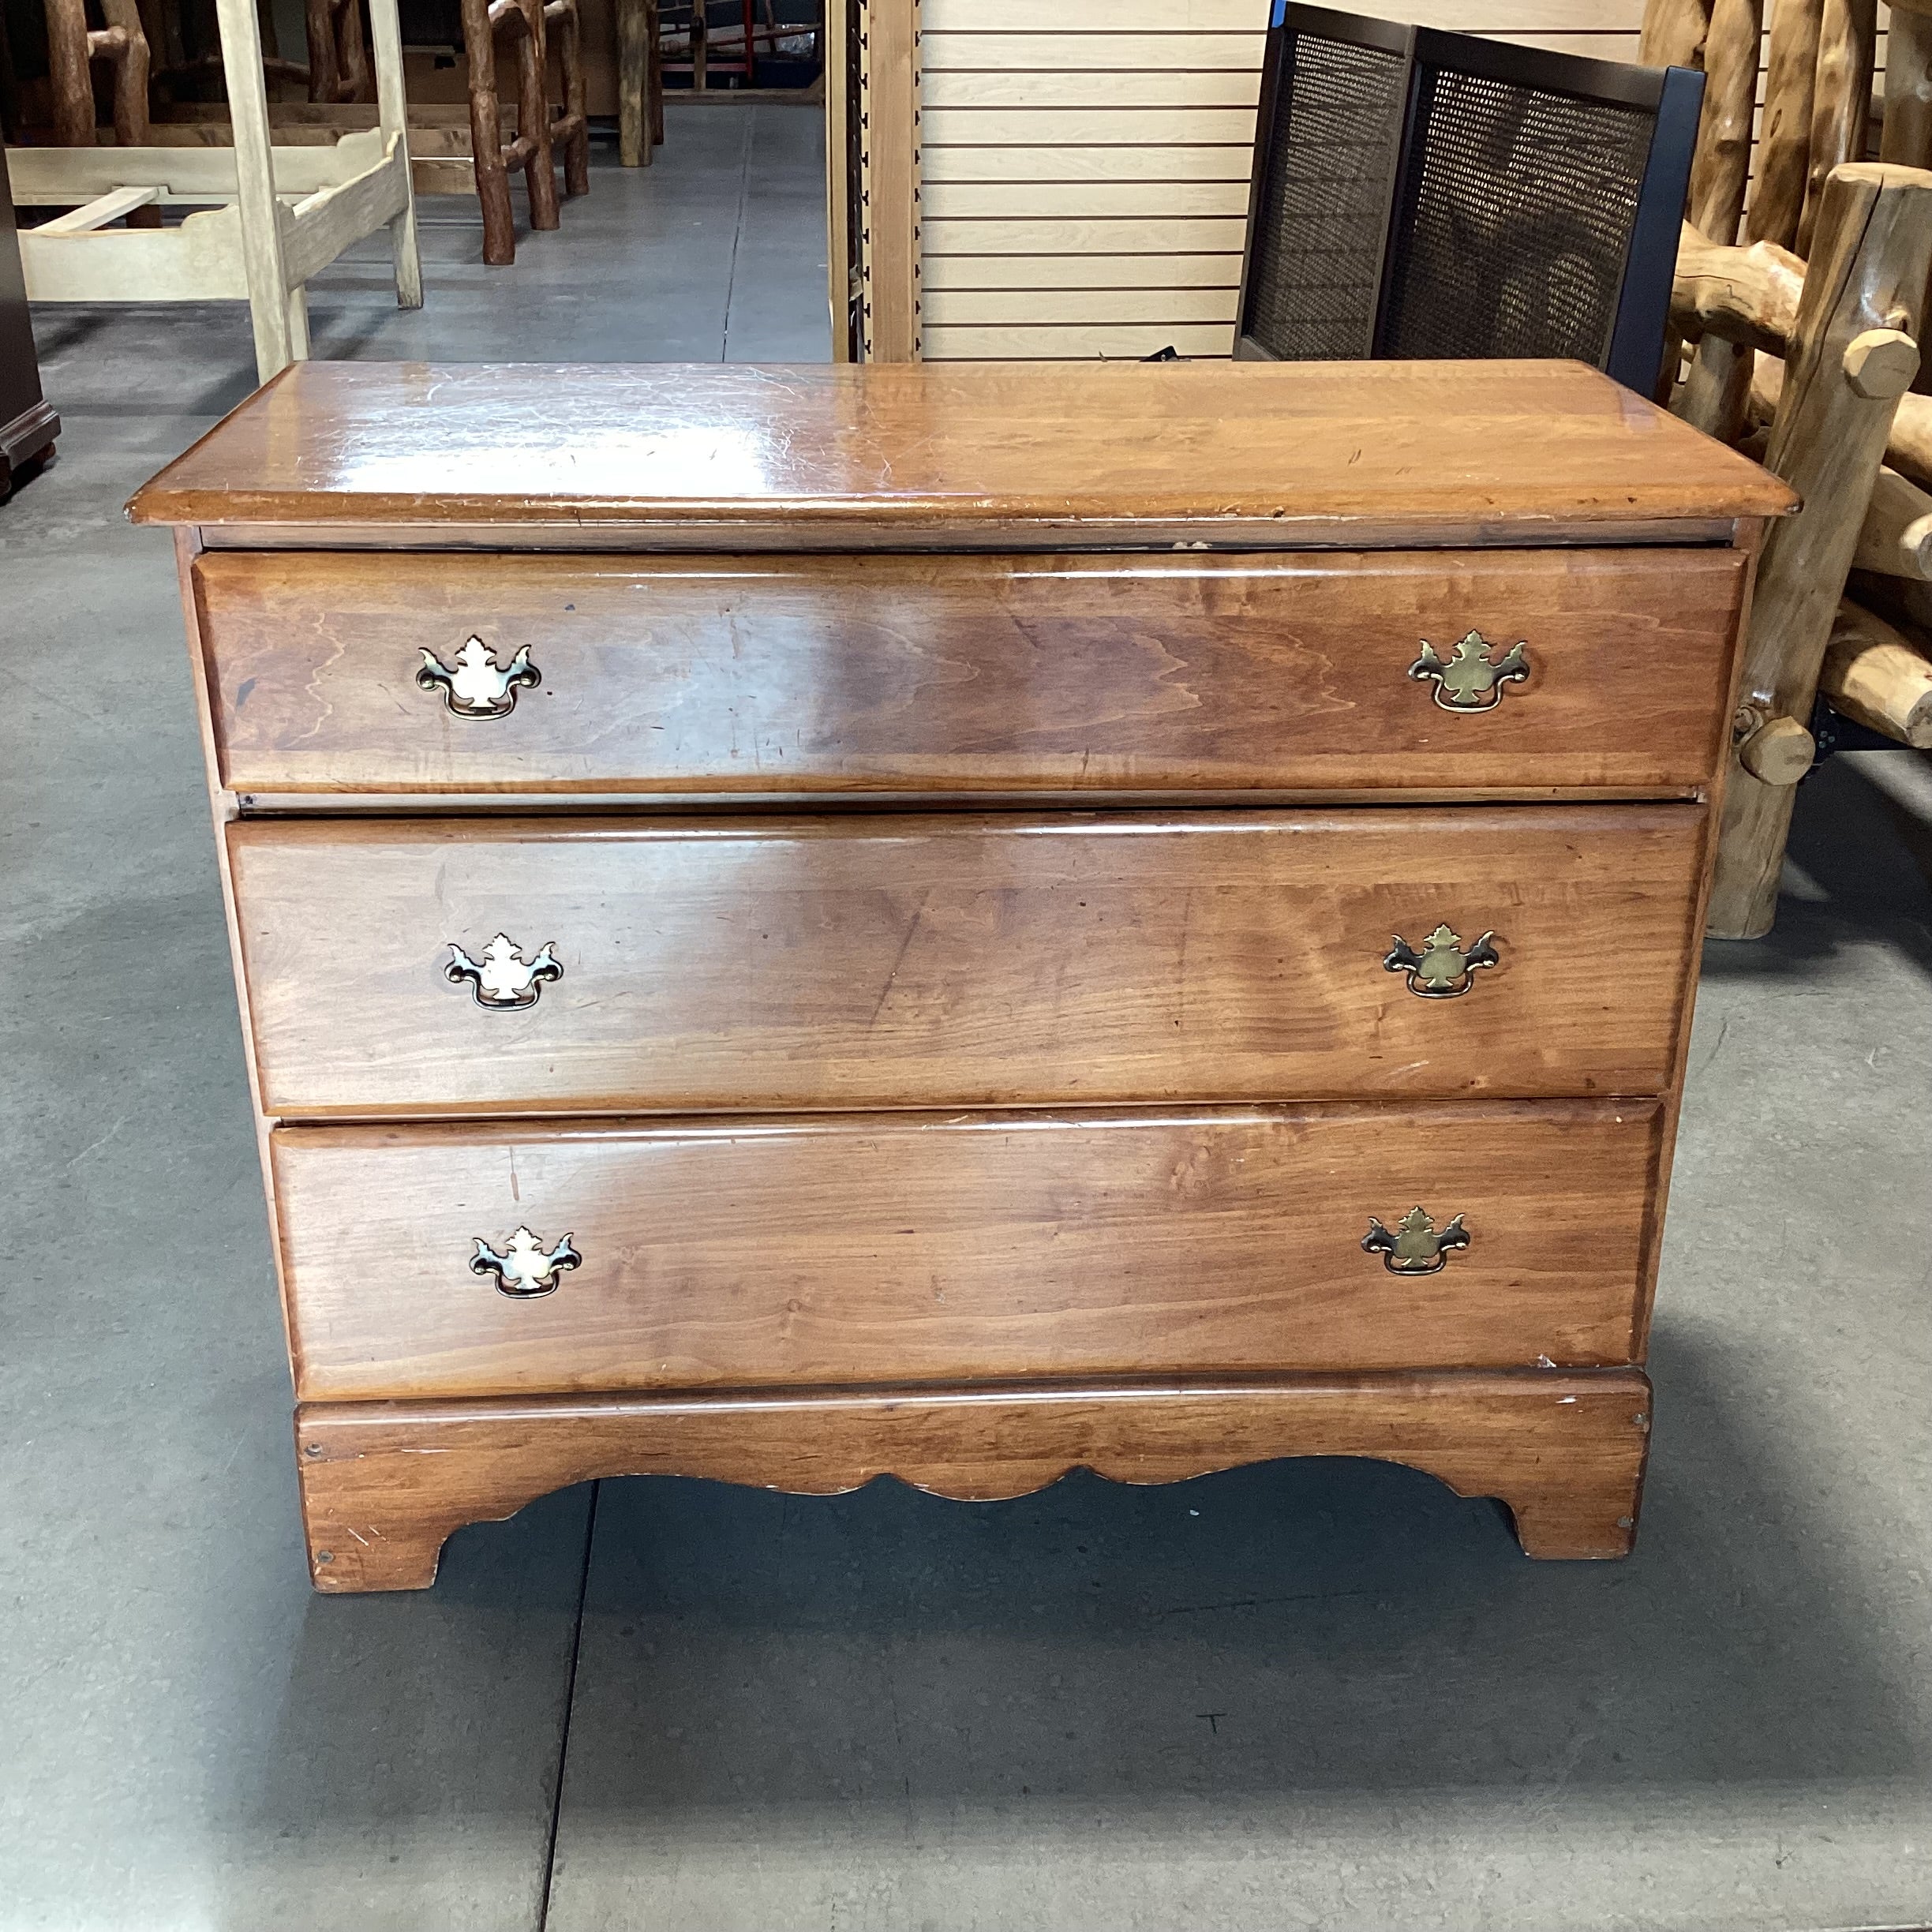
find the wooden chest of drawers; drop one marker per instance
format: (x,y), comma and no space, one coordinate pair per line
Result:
(961,922)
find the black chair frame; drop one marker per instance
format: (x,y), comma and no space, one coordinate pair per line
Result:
(1633,350)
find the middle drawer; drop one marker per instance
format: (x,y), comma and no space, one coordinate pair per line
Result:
(491,966)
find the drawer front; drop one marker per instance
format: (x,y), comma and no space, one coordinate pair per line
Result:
(881,1248)
(964,675)
(858,960)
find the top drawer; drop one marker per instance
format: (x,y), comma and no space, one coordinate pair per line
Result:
(977,675)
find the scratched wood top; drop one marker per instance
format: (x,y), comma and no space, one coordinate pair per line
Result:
(1249,451)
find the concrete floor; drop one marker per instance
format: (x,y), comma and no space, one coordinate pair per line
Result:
(1323,1695)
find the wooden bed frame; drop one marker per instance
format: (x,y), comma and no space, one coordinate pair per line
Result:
(282,214)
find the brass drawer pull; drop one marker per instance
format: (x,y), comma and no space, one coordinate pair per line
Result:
(1466,680)
(476,688)
(526,1268)
(1445,968)
(502,980)
(1415,1248)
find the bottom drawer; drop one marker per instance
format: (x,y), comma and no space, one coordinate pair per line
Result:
(909,1247)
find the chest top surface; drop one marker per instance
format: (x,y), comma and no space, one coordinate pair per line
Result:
(1257,453)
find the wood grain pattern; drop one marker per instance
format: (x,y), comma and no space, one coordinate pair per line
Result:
(1784,149)
(890,84)
(957,959)
(1840,102)
(1906,136)
(1867,279)
(384,1484)
(1722,164)
(1879,676)
(966,674)
(850,453)
(811,1251)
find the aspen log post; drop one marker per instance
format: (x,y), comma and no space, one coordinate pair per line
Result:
(73,48)
(564,31)
(1896,538)
(355,66)
(486,143)
(1716,396)
(1784,140)
(1841,100)
(339,68)
(1674,32)
(1723,140)
(533,109)
(125,44)
(1880,677)
(1846,368)
(633,135)
(1907,137)
(324,69)
(70,77)
(1909,450)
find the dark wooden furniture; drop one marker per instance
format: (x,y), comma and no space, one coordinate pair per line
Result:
(27,423)
(530,29)
(632,1100)
(74,49)
(1418,194)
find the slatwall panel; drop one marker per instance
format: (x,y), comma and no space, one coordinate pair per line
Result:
(1085,182)
(1085,163)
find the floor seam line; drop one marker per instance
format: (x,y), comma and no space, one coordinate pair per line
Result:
(570,1708)
(744,184)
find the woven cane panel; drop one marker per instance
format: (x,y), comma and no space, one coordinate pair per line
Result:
(1318,236)
(1518,220)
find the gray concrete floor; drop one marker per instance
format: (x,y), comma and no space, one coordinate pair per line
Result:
(1310,1695)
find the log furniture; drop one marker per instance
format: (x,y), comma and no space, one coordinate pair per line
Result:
(799,923)
(1825,357)
(527,27)
(640,82)
(74,49)
(27,424)
(339,68)
(282,215)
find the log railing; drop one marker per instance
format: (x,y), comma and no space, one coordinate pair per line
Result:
(1825,354)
